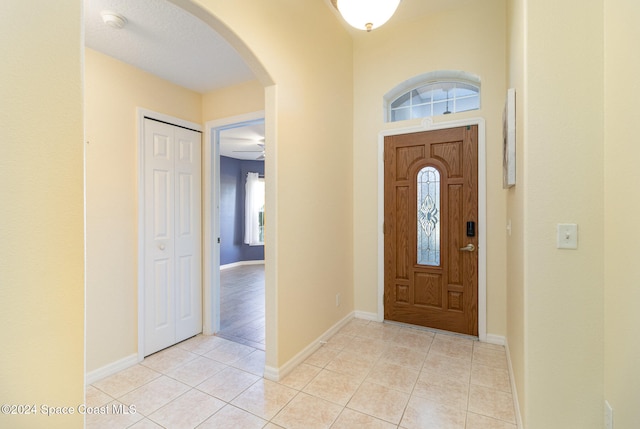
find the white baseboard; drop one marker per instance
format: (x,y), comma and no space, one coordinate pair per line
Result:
(364,315)
(110,369)
(277,374)
(495,339)
(514,391)
(241,263)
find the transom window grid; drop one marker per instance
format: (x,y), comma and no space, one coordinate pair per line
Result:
(434,99)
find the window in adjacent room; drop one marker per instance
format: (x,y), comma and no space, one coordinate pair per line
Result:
(254,210)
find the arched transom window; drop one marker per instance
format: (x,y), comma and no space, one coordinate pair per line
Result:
(433,94)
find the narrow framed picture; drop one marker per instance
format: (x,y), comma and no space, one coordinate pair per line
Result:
(509,140)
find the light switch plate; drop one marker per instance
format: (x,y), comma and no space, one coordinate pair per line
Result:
(567,236)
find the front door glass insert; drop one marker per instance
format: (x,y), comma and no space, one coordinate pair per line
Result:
(429,216)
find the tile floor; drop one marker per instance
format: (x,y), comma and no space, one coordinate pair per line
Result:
(369,375)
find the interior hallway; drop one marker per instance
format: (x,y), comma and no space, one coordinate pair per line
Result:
(369,375)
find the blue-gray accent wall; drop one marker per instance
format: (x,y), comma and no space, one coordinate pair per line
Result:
(233,173)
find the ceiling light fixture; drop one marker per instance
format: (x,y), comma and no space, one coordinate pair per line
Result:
(366,14)
(113,19)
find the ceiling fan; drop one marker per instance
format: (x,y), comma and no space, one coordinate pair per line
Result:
(261,150)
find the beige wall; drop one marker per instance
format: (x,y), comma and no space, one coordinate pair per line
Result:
(113,92)
(516,333)
(474,42)
(41,220)
(246,97)
(310,61)
(622,205)
(558,336)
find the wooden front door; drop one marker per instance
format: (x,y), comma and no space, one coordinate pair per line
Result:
(431,236)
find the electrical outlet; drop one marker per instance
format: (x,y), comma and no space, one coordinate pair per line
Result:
(608,416)
(337,300)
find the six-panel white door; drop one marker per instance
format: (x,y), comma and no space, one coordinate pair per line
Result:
(173,244)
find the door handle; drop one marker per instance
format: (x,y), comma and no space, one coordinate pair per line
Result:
(468,248)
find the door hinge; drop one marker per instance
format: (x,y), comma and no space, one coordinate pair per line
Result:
(218,240)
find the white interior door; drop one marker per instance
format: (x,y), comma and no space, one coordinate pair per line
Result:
(173,244)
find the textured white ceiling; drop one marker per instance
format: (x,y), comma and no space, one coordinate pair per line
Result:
(166,41)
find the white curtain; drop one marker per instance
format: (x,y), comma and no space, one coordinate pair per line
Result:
(254,204)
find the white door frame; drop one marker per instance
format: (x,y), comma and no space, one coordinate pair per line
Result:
(145,113)
(429,125)
(211,216)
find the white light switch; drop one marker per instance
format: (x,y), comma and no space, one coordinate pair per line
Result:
(567,236)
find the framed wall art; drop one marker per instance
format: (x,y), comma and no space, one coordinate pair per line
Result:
(509,140)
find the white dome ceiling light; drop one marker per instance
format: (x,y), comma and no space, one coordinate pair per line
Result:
(113,19)
(366,14)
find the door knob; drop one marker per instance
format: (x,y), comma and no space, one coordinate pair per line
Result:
(468,248)
(161,247)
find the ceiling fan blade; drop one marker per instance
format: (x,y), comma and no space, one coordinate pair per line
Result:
(259,141)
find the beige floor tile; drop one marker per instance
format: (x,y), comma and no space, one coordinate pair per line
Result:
(366,347)
(187,411)
(495,378)
(483,345)
(352,364)
(353,326)
(126,380)
(231,417)
(155,394)
(490,357)
(322,356)
(379,401)
(168,359)
(378,331)
(96,397)
(253,363)
(196,371)
(145,424)
(265,398)
(491,403)
(350,419)
(112,420)
(339,341)
(228,383)
(333,386)
(443,390)
(452,346)
(201,344)
(393,376)
(229,352)
(424,414)
(413,338)
(300,376)
(458,369)
(307,412)
(476,421)
(408,357)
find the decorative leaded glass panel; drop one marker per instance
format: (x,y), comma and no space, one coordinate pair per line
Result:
(429,216)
